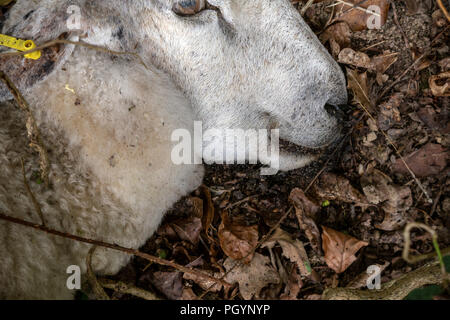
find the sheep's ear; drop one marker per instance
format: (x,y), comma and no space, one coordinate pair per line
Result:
(30,21)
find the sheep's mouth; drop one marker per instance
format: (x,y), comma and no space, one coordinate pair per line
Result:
(338,112)
(289,147)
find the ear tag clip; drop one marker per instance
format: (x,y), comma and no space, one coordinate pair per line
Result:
(21,45)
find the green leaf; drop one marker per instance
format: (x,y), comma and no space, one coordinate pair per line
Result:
(425,293)
(326,203)
(428,292)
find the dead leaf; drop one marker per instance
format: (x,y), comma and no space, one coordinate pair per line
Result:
(429,160)
(445,64)
(383,62)
(188,229)
(293,249)
(433,120)
(440,84)
(334,187)
(395,200)
(203,283)
(340,249)
(168,283)
(197,207)
(357,83)
(340,32)
(208,210)
(237,241)
(380,63)
(252,277)
(188,294)
(412,6)
(388,112)
(360,18)
(293,286)
(354,58)
(339,37)
(306,212)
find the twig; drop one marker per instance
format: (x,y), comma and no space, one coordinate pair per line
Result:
(37,207)
(443,9)
(400,156)
(114,247)
(306,7)
(405,254)
(405,38)
(394,290)
(356,6)
(95,285)
(33,130)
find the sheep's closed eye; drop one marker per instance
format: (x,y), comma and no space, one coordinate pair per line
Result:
(189,7)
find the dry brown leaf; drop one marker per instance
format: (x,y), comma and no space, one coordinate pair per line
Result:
(197,207)
(168,283)
(358,19)
(188,294)
(389,113)
(445,64)
(188,229)
(339,37)
(293,249)
(440,84)
(340,249)
(354,58)
(340,32)
(395,200)
(412,6)
(383,62)
(435,121)
(380,63)
(357,82)
(429,160)
(293,286)
(334,187)
(237,241)
(252,277)
(203,283)
(306,212)
(208,209)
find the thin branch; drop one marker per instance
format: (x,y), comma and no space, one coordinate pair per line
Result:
(37,207)
(443,9)
(400,156)
(33,130)
(354,6)
(407,236)
(95,285)
(129,251)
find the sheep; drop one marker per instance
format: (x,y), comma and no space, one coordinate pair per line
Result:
(108,120)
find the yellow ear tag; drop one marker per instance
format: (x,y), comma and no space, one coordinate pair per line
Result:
(21,45)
